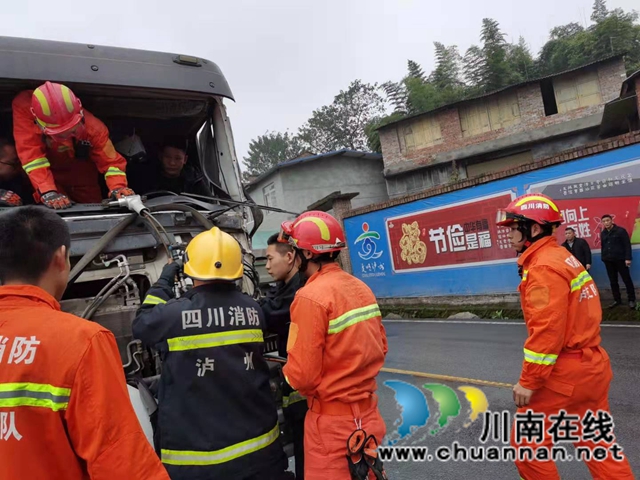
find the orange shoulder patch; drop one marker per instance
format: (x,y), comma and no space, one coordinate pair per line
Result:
(538,296)
(293,336)
(109,150)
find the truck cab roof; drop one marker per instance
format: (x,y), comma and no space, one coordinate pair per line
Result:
(42,60)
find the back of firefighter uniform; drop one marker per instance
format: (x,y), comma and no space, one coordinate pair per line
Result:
(64,148)
(217,416)
(336,348)
(65,411)
(564,364)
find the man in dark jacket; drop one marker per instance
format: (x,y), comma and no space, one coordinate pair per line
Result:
(172,174)
(616,255)
(578,247)
(283,265)
(217,416)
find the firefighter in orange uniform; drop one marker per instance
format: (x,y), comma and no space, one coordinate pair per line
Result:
(565,368)
(336,348)
(65,412)
(63,147)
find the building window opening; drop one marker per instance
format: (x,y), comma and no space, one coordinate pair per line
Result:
(548,97)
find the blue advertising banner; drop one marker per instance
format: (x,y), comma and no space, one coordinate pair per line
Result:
(449,244)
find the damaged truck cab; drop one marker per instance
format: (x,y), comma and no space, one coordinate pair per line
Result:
(141,96)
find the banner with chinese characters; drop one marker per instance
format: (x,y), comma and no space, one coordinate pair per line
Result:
(584,198)
(453,235)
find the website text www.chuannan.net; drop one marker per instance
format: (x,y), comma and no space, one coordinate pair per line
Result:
(459,453)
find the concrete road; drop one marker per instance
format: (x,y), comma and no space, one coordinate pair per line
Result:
(493,351)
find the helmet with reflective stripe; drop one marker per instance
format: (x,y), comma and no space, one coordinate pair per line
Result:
(315,231)
(532,207)
(56,109)
(213,255)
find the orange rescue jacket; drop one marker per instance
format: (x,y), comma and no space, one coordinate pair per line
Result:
(337,343)
(65,411)
(561,306)
(40,155)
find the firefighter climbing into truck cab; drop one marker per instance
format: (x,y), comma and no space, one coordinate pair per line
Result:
(64,148)
(565,369)
(217,415)
(336,348)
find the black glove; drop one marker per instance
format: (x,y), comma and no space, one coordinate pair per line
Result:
(170,271)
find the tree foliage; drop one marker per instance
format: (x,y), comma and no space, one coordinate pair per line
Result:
(495,63)
(352,119)
(612,33)
(270,149)
(341,124)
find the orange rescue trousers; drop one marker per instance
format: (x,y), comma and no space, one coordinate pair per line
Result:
(326,431)
(578,384)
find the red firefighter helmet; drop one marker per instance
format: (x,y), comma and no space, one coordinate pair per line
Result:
(534,207)
(315,231)
(56,109)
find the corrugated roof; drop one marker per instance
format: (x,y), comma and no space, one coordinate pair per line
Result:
(626,85)
(289,163)
(515,85)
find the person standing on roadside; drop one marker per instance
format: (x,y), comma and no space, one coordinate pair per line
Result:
(578,247)
(616,256)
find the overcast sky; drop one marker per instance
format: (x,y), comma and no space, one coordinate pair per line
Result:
(285,58)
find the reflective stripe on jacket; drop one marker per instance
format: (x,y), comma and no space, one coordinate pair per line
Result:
(217,416)
(337,343)
(65,410)
(561,306)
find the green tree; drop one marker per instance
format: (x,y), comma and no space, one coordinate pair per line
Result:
(618,32)
(268,150)
(495,68)
(447,71)
(600,11)
(415,70)
(492,66)
(342,123)
(396,95)
(568,46)
(446,77)
(473,67)
(613,32)
(520,61)
(421,96)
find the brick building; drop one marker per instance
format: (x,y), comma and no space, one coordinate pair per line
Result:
(514,126)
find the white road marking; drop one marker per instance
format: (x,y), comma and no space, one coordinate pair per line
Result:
(483,322)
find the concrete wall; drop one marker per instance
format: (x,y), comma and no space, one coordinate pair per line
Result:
(305,183)
(407,260)
(532,116)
